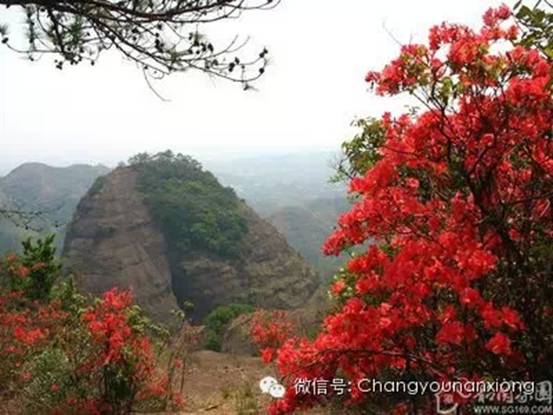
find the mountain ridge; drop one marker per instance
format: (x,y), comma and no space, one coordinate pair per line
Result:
(42,198)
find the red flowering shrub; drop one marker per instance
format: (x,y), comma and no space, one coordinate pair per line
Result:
(269,330)
(61,356)
(22,332)
(27,323)
(121,361)
(457,200)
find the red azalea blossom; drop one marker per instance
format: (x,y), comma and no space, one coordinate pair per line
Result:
(499,344)
(451,332)
(267,354)
(338,287)
(269,331)
(28,337)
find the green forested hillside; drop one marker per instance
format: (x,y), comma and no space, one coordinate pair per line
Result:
(193,209)
(41,200)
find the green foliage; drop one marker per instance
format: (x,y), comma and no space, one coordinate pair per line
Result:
(69,297)
(51,381)
(39,258)
(217,320)
(537,24)
(97,185)
(362,151)
(192,208)
(139,322)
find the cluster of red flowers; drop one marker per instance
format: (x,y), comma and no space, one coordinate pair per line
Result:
(456,203)
(122,347)
(269,331)
(107,323)
(14,266)
(25,328)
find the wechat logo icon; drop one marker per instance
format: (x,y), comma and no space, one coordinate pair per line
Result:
(271,386)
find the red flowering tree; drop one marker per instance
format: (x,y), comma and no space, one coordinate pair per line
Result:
(456,203)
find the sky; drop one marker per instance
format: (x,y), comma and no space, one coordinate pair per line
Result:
(306,100)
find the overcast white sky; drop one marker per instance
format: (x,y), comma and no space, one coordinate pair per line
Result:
(320,51)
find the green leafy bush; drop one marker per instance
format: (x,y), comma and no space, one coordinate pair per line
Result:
(37,269)
(217,320)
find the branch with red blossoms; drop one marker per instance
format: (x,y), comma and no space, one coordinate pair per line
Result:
(456,207)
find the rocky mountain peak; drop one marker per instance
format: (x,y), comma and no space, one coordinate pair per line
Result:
(119,237)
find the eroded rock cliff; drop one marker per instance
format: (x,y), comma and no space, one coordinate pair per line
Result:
(114,240)
(268,273)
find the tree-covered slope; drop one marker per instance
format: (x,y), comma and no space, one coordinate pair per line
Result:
(194,211)
(41,199)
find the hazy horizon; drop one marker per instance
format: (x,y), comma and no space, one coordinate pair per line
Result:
(306,101)
(204,155)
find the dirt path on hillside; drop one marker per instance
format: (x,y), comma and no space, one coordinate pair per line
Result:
(226,384)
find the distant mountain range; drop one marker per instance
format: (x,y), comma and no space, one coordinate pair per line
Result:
(38,199)
(292,191)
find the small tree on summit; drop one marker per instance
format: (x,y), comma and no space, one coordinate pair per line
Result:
(161,36)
